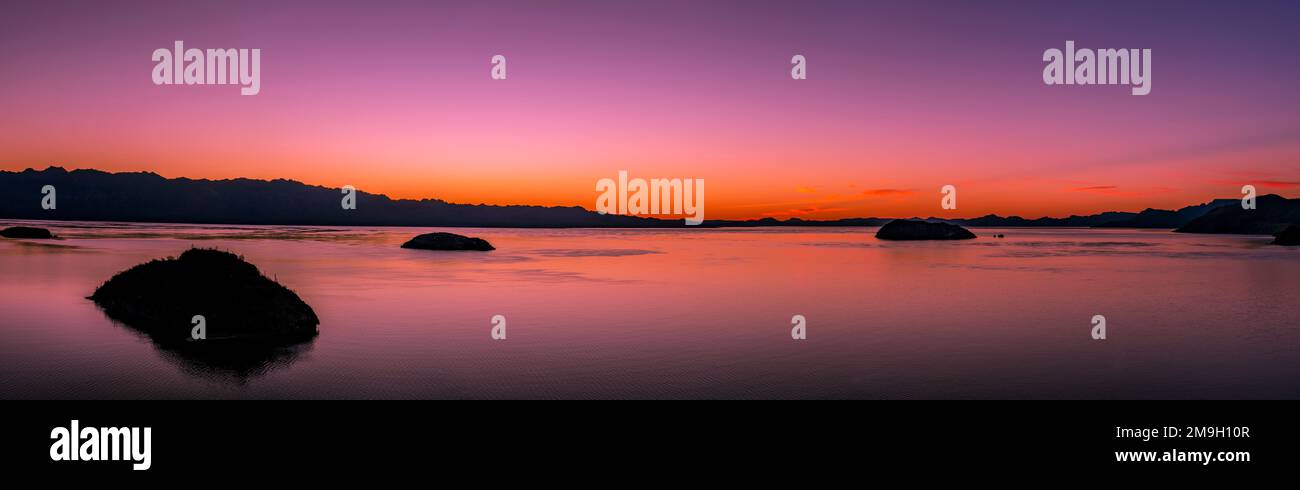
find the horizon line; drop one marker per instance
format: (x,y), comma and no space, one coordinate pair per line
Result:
(50,167)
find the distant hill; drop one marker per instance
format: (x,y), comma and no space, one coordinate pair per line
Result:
(1271,215)
(995,221)
(1160,218)
(93,195)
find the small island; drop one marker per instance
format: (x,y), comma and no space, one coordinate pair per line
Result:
(1271,215)
(238,303)
(1289,237)
(26,232)
(447,241)
(906,229)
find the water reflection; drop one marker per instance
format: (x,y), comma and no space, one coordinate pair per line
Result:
(236,365)
(681,314)
(226,362)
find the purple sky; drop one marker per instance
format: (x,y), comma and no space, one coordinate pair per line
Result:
(902,98)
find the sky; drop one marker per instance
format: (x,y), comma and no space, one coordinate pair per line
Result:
(901,98)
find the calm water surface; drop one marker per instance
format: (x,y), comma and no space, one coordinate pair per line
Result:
(684,313)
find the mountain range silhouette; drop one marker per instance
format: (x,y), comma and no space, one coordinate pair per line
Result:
(94,195)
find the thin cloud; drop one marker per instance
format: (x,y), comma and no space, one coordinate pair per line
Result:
(1095,188)
(1255,179)
(1278,184)
(888,192)
(801,212)
(1113,190)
